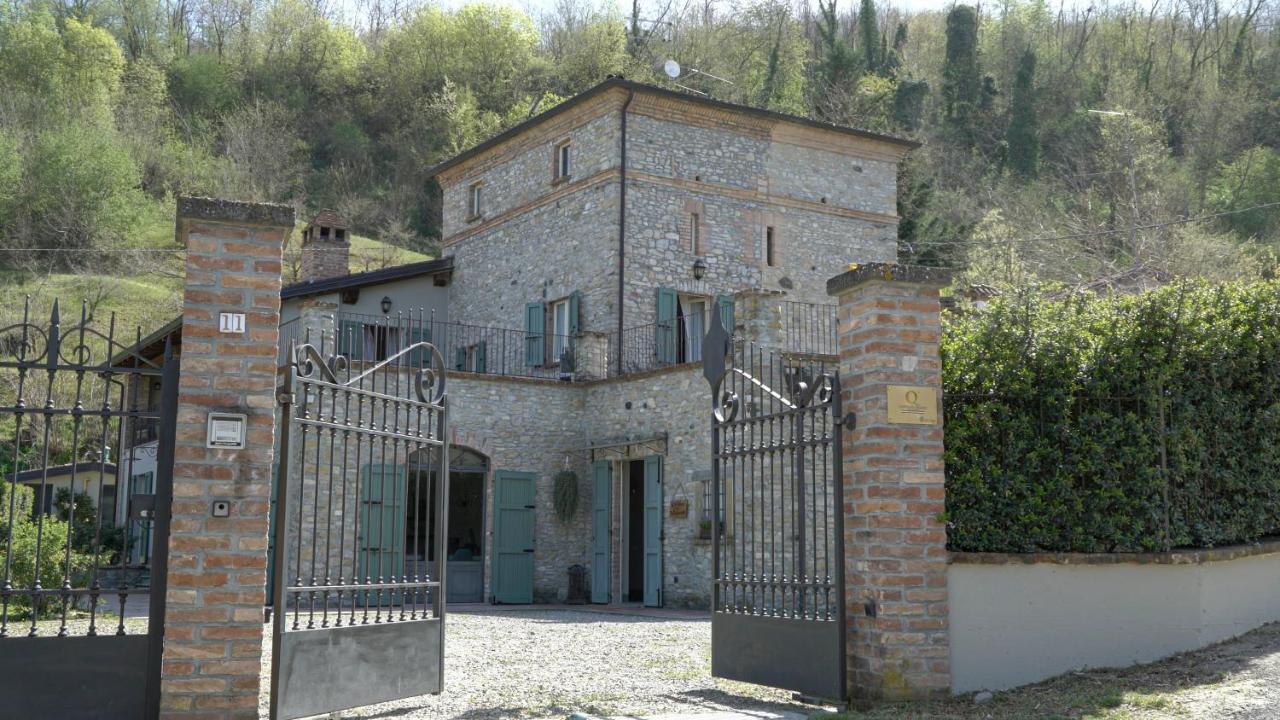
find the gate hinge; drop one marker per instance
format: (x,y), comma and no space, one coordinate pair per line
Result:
(285,398)
(849,421)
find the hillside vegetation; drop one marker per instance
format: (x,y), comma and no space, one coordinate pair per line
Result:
(1061,143)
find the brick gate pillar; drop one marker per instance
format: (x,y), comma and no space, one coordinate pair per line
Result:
(218,540)
(894,496)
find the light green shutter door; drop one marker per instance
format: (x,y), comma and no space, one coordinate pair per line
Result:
(460,359)
(653,531)
(351,339)
(664,331)
(513,537)
(601,504)
(535,344)
(382,530)
(575,309)
(480,357)
(726,311)
(418,356)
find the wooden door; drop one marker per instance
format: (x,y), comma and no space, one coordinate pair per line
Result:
(601,531)
(653,531)
(513,536)
(382,528)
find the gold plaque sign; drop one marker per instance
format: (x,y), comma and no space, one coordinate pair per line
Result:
(679,508)
(913,405)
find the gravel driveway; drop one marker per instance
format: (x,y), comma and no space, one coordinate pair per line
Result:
(550,663)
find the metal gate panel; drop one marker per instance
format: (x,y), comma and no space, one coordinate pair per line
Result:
(361,528)
(778,530)
(82,638)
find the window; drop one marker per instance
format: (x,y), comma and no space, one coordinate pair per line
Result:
(475,201)
(559,329)
(770,247)
(563,161)
(695,234)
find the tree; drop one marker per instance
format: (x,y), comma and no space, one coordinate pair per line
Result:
(869,37)
(1251,180)
(1022,136)
(961,75)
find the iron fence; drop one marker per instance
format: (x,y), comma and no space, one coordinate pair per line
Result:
(809,328)
(658,344)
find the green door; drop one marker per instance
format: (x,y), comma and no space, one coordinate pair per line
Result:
(513,537)
(382,531)
(653,531)
(665,337)
(600,531)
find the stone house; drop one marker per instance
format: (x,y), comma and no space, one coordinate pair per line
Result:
(583,252)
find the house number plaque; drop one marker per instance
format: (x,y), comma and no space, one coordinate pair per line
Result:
(232,323)
(913,405)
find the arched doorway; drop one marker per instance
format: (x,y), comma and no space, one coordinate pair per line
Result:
(464,541)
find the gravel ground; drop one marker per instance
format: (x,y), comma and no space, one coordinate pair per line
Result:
(550,663)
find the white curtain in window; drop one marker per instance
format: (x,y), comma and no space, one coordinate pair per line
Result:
(695,328)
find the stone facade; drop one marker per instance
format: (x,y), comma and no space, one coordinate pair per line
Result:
(216,565)
(830,198)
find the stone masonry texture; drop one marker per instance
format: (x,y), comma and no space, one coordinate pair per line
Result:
(213,626)
(894,491)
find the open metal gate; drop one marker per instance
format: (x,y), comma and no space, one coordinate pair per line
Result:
(83,532)
(359,560)
(778,535)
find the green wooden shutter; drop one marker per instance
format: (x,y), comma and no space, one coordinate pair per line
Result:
(575,308)
(460,359)
(513,537)
(664,330)
(382,528)
(726,311)
(601,504)
(653,531)
(351,339)
(481,360)
(418,356)
(535,343)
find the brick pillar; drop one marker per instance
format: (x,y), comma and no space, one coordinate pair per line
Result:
(217,565)
(894,492)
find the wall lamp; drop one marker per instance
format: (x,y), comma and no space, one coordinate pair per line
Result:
(386,304)
(699,268)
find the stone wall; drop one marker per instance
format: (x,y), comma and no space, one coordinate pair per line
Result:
(830,198)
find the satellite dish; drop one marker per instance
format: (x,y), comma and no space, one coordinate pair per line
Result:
(671,68)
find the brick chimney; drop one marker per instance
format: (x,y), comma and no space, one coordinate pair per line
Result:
(326,250)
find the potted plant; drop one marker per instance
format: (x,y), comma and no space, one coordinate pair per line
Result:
(568,363)
(704,529)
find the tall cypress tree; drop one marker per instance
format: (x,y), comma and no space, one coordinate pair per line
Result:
(1021,137)
(869,36)
(961,77)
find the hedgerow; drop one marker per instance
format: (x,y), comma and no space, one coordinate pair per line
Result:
(1109,424)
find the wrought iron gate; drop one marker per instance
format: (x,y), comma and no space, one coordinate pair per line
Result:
(778,529)
(85,534)
(360,531)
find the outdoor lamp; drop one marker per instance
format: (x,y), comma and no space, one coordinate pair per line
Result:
(386,304)
(699,268)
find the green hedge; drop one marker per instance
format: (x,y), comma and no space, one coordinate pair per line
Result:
(1132,423)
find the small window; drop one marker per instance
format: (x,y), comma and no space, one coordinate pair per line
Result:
(475,200)
(340,234)
(695,234)
(770,247)
(563,160)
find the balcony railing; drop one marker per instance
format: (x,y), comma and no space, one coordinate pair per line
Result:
(809,328)
(804,328)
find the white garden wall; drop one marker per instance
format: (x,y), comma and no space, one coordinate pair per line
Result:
(1020,619)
